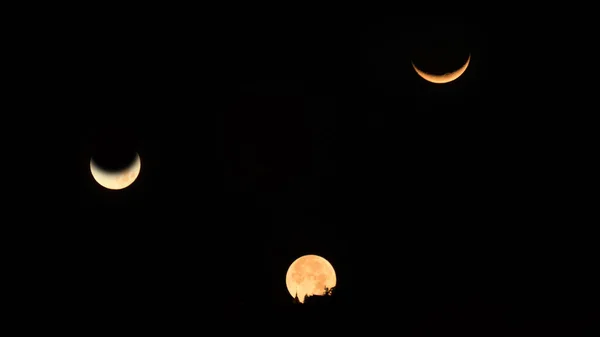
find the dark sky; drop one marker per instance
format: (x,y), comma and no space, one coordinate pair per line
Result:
(269,138)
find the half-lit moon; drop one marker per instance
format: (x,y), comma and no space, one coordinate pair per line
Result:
(116,180)
(309,275)
(445,78)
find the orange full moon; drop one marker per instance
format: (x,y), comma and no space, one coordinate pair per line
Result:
(116,180)
(440,79)
(309,275)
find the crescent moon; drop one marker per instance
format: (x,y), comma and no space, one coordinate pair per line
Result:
(309,275)
(116,180)
(440,79)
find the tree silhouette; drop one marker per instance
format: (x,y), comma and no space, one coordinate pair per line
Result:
(324,299)
(312,299)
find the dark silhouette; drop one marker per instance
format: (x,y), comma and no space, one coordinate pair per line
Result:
(317,300)
(297,300)
(320,310)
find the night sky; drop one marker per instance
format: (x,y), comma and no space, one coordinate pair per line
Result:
(443,208)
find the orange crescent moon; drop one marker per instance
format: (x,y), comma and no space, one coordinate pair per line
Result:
(447,77)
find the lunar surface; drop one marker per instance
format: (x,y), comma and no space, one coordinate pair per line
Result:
(309,275)
(116,180)
(445,78)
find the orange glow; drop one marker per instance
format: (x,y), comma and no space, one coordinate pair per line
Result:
(309,275)
(440,79)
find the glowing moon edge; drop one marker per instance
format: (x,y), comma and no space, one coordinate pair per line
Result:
(116,180)
(445,78)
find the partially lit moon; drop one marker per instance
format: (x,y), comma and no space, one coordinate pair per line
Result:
(116,180)
(440,79)
(309,275)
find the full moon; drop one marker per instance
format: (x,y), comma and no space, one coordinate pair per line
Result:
(309,275)
(440,79)
(116,180)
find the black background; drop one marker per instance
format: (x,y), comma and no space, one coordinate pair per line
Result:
(452,208)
